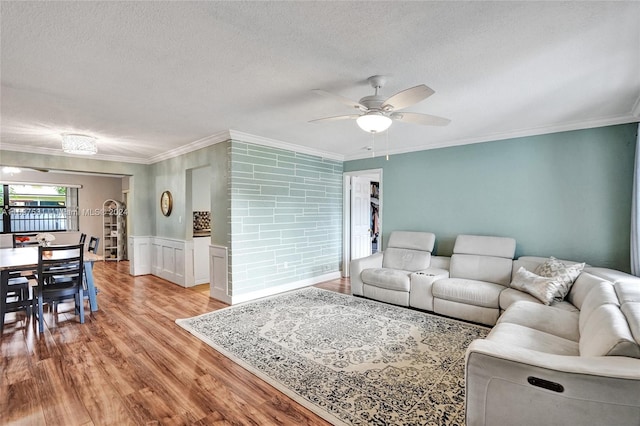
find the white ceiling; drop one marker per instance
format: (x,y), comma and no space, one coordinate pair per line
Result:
(154,78)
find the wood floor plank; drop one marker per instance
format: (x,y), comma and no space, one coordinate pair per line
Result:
(148,408)
(19,404)
(130,364)
(14,367)
(100,398)
(57,395)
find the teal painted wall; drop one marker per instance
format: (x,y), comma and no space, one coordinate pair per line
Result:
(564,194)
(286,216)
(171,175)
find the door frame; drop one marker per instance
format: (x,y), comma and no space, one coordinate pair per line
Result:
(376,176)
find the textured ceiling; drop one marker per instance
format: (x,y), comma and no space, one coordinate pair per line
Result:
(151,78)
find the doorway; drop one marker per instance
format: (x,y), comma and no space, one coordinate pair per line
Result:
(198,210)
(362,212)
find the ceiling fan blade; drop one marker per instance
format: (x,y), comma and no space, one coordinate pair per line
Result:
(407,98)
(417,118)
(336,118)
(346,101)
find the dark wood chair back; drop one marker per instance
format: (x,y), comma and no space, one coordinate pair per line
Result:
(93,245)
(24,240)
(83,238)
(60,271)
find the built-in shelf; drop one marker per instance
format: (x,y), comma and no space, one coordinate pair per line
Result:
(114,231)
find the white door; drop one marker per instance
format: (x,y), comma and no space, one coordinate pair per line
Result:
(360,217)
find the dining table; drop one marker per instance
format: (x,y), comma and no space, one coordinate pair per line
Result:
(26,259)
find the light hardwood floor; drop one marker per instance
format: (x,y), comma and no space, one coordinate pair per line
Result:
(131,364)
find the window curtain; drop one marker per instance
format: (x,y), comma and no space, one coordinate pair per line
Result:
(635,212)
(71,204)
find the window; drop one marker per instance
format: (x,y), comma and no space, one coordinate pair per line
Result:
(38,208)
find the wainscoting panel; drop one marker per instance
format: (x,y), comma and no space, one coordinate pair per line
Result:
(219,264)
(140,255)
(167,258)
(201,260)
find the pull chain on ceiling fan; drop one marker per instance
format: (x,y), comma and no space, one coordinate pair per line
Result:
(377,113)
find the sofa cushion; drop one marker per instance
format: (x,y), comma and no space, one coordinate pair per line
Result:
(472,292)
(606,332)
(530,338)
(631,311)
(581,287)
(601,294)
(627,292)
(510,295)
(530,263)
(612,275)
(423,241)
(481,268)
(565,306)
(558,322)
(485,246)
(565,275)
(406,259)
(393,279)
(545,289)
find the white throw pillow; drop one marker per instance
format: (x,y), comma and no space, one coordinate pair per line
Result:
(542,288)
(566,275)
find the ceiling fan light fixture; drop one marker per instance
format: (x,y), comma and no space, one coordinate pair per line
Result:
(79,144)
(374,122)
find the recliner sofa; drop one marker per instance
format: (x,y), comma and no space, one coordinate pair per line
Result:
(574,361)
(466,285)
(577,362)
(480,270)
(389,276)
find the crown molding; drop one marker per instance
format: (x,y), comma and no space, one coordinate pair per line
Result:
(590,124)
(274,143)
(190,147)
(240,137)
(633,116)
(59,153)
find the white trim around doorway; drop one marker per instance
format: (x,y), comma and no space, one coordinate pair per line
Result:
(375,175)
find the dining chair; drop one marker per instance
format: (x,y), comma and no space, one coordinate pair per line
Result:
(93,245)
(94,242)
(24,240)
(14,297)
(83,238)
(60,270)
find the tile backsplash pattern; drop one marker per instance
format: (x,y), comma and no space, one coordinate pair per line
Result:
(201,221)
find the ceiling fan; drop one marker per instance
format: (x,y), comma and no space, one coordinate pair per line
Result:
(378,112)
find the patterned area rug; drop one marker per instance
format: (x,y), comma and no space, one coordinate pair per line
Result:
(349,360)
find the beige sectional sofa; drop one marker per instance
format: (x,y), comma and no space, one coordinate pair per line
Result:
(574,361)
(577,362)
(466,285)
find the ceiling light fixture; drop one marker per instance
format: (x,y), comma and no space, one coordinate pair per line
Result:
(79,144)
(374,122)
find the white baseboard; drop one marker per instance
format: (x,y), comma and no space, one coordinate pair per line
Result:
(241,298)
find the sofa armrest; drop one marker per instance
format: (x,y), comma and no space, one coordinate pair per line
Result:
(507,384)
(609,366)
(357,266)
(421,296)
